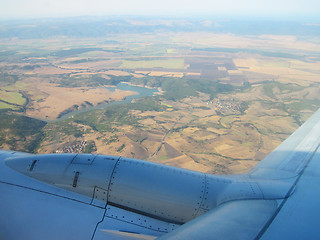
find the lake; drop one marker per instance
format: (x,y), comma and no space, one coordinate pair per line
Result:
(141,92)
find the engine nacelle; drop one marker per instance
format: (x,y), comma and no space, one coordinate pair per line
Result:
(161,192)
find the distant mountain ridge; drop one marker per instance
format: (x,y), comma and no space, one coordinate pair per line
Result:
(101,27)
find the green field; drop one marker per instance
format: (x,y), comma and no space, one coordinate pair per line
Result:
(18,85)
(8,106)
(12,97)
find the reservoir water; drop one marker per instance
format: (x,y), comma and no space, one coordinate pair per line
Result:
(141,92)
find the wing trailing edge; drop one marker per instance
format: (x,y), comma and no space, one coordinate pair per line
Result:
(237,220)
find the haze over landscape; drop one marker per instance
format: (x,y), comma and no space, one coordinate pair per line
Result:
(262,8)
(178,82)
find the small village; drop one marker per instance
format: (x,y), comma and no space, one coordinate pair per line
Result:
(227,106)
(76,147)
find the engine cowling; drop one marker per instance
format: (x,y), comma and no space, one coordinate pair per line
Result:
(162,192)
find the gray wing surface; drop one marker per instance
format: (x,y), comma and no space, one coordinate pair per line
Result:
(234,220)
(298,216)
(296,162)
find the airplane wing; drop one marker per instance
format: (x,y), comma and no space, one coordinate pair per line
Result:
(297,162)
(74,196)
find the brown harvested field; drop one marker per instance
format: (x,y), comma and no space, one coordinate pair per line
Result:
(148,122)
(255,77)
(203,113)
(166,74)
(116,73)
(193,74)
(171,151)
(289,71)
(59,99)
(152,146)
(143,72)
(240,166)
(187,162)
(138,75)
(234,72)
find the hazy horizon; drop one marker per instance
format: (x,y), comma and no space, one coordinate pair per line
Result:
(281,9)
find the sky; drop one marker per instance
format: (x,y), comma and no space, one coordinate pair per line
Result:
(17,9)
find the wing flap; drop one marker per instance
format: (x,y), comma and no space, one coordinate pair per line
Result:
(298,216)
(234,220)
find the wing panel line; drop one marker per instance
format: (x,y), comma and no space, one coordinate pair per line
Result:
(264,229)
(104,213)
